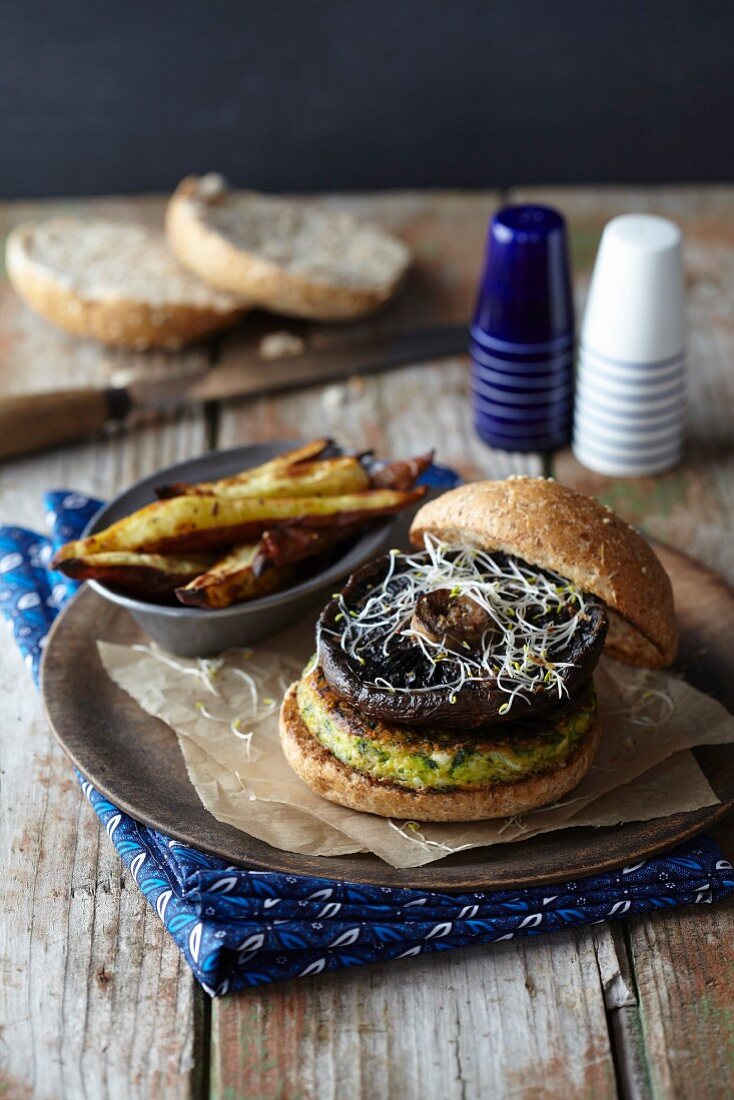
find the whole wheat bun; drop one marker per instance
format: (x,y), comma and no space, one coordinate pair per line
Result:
(554,527)
(112,282)
(327,776)
(286,256)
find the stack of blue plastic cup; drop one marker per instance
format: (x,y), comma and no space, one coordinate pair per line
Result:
(522,335)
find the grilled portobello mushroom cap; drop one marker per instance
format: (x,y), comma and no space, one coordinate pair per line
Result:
(406,668)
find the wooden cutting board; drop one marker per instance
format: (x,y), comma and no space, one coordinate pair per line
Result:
(445,230)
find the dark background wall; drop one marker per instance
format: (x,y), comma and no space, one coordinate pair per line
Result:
(307,94)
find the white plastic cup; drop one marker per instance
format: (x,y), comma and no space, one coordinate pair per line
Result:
(632,372)
(620,419)
(635,439)
(626,406)
(632,350)
(642,390)
(613,462)
(635,310)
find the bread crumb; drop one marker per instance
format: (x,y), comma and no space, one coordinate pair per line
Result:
(281,345)
(211,187)
(334,396)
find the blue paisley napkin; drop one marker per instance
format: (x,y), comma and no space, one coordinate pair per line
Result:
(238,928)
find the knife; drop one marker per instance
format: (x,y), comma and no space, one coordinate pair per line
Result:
(32,421)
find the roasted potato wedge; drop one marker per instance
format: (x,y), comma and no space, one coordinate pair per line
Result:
(326,477)
(188,523)
(233,579)
(146,576)
(308,453)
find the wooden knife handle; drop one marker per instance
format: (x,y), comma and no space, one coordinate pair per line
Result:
(32,421)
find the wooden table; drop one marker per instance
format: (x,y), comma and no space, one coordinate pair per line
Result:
(95,1000)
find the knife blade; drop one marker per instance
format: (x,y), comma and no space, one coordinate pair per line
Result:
(31,422)
(250,375)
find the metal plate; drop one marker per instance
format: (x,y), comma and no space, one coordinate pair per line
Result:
(199,632)
(134,759)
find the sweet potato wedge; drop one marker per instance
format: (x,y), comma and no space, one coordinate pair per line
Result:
(233,579)
(287,545)
(325,477)
(187,523)
(309,452)
(146,576)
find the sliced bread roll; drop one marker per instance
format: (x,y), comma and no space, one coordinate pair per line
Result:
(116,283)
(289,257)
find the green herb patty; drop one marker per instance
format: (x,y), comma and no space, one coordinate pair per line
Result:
(444,760)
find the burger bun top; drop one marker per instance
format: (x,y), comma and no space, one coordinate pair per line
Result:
(555,527)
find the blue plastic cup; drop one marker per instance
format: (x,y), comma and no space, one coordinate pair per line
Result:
(522,334)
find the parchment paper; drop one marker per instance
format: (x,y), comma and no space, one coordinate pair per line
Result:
(642,769)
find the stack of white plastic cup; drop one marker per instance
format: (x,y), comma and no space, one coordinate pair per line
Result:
(630,388)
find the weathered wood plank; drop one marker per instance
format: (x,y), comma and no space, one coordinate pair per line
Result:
(94,997)
(682,962)
(95,1000)
(524,1019)
(683,969)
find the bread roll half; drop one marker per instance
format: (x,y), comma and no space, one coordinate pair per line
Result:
(113,282)
(291,257)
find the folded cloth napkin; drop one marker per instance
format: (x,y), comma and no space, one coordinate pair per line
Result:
(238,928)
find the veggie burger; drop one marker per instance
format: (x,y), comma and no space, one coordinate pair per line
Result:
(455,682)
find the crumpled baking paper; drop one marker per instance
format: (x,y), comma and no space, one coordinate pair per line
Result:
(225,715)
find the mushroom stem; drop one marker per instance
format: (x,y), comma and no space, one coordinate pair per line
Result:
(445,616)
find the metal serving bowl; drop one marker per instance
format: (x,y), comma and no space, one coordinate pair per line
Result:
(197,632)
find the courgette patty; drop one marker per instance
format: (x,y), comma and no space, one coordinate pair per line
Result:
(444,760)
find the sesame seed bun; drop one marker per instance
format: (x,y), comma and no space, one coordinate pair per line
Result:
(329,777)
(554,527)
